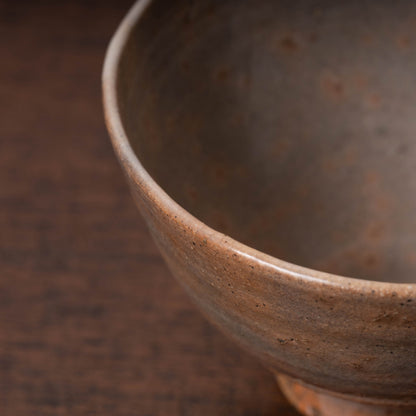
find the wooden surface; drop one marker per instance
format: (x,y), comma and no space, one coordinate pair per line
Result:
(91,321)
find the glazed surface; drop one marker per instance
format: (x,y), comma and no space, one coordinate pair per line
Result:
(287,125)
(348,336)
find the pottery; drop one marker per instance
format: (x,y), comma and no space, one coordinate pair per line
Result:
(270,147)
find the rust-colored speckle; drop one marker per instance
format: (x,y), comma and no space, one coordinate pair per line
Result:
(411,257)
(333,87)
(376,231)
(372,178)
(192,193)
(367,39)
(220,173)
(373,100)
(329,165)
(302,190)
(341,160)
(371,260)
(288,44)
(403,42)
(382,202)
(350,155)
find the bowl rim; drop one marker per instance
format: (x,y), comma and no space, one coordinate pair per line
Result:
(148,185)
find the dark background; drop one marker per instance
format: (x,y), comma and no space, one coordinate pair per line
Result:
(91,321)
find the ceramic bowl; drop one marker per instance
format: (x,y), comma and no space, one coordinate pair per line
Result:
(270,147)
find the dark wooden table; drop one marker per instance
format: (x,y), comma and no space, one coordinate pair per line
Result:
(91,321)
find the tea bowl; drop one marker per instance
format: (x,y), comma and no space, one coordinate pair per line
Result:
(270,147)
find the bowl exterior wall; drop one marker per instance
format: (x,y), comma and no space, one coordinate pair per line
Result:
(358,342)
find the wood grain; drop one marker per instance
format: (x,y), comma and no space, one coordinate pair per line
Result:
(91,321)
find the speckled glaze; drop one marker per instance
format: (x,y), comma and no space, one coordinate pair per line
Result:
(236,130)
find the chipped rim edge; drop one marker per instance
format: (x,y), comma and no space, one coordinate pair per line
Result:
(149,186)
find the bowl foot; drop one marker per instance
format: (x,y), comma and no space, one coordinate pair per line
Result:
(316,402)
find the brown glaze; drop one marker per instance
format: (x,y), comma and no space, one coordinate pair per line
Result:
(287,127)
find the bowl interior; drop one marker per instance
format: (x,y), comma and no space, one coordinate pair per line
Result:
(288,125)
